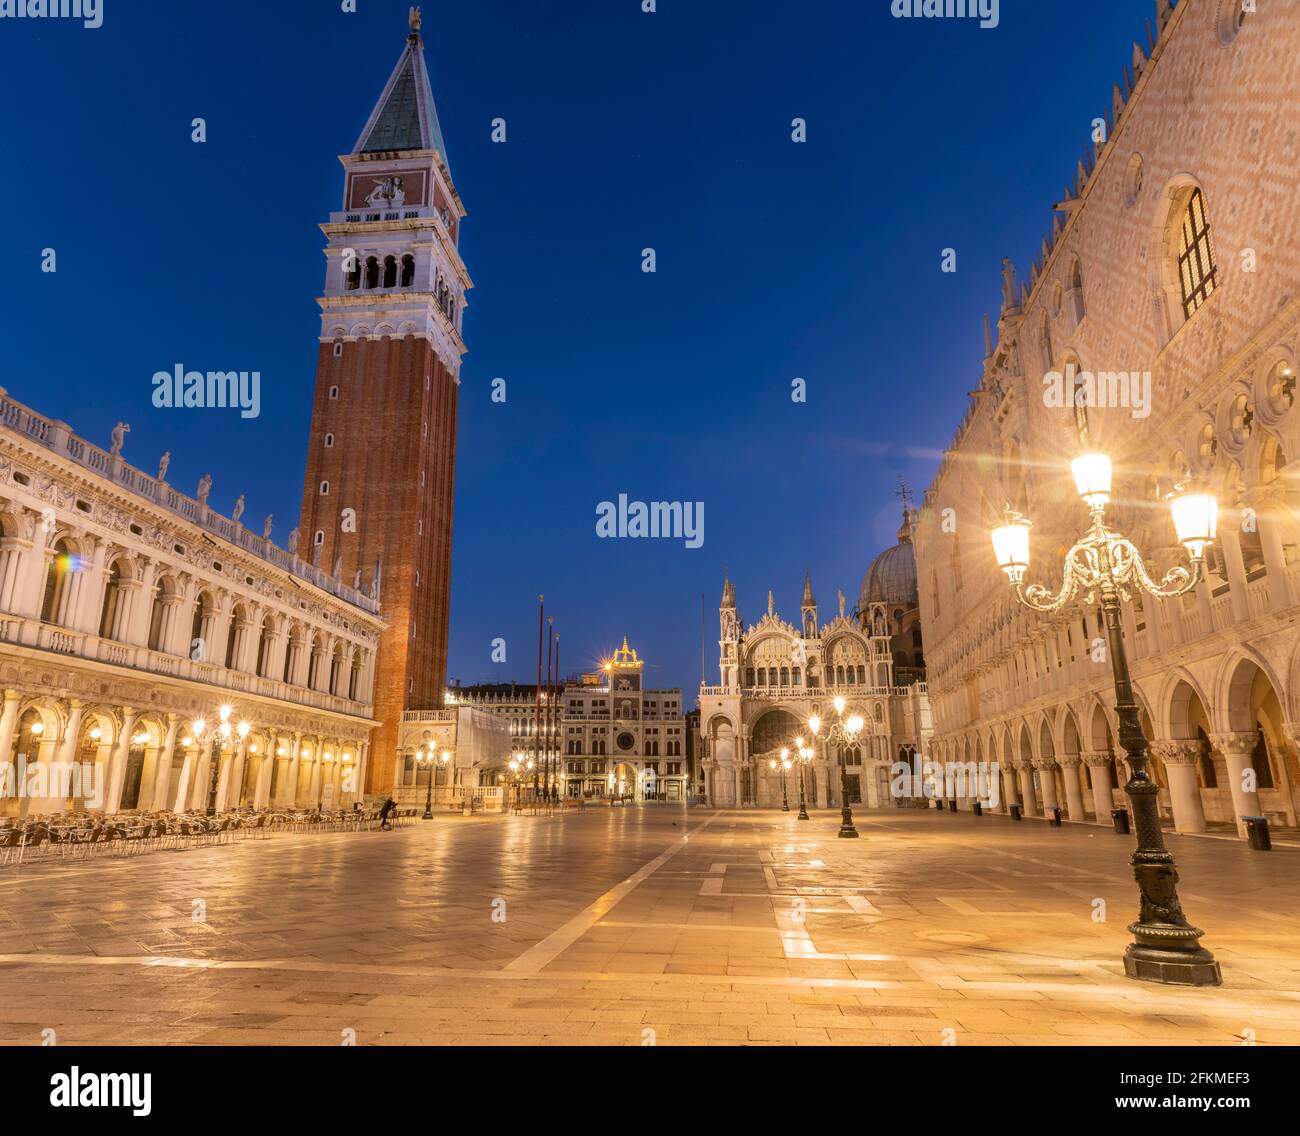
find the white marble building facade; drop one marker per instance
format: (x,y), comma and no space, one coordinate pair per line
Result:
(130,611)
(1175,257)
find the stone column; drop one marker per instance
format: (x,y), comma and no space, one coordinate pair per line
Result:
(1073,792)
(1230,542)
(1103,800)
(8,725)
(1180,761)
(163,763)
(117,764)
(265,770)
(1270,518)
(1236,749)
(1046,767)
(289,794)
(1010,789)
(232,778)
(88,599)
(14,553)
(178,799)
(1025,770)
(363,756)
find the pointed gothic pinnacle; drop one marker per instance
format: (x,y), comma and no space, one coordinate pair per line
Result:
(1162,14)
(1139,60)
(1116,103)
(988,338)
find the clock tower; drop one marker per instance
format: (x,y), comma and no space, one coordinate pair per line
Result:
(377,502)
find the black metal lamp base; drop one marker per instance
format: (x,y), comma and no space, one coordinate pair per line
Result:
(1173,968)
(847,831)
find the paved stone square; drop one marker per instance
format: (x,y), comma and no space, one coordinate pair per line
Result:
(640,925)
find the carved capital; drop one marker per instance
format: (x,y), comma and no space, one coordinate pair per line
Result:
(1177,752)
(1069,761)
(1242,743)
(1098,760)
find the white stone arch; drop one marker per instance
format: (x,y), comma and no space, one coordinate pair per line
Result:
(1100,730)
(1180,687)
(1232,683)
(1071,737)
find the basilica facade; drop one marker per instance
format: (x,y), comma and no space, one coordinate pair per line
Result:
(1173,265)
(775,676)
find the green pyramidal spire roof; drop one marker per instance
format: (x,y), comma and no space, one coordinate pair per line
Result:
(405,117)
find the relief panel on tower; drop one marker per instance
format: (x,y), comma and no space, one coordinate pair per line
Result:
(389,189)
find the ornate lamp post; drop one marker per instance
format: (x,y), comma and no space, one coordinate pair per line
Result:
(785,764)
(805,755)
(845,733)
(221,736)
(431,759)
(1105,567)
(519,765)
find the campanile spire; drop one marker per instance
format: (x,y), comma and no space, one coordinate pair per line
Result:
(381,458)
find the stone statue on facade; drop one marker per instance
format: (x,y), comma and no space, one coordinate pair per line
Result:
(1008,284)
(163,463)
(238,510)
(205,487)
(267,525)
(120,431)
(294,537)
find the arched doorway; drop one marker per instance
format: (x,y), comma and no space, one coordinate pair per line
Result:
(623,781)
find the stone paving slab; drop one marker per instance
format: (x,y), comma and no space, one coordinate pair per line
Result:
(655,925)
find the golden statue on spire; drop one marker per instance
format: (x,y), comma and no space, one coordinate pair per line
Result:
(415,25)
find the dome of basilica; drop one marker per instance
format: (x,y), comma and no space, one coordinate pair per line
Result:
(891,578)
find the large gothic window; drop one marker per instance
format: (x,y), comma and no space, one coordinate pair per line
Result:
(1198,274)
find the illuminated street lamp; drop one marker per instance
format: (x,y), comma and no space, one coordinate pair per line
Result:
(785,764)
(431,758)
(221,737)
(519,765)
(1105,567)
(805,755)
(844,731)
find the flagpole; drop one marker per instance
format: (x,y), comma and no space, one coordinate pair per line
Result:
(537,741)
(548,719)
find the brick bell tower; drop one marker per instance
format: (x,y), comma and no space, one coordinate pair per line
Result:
(377,503)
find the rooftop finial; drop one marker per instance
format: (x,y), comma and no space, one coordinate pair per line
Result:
(415,26)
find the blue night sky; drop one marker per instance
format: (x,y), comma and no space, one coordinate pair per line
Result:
(626,131)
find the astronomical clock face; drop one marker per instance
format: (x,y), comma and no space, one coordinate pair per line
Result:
(625,742)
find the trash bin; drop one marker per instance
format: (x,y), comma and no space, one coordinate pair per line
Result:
(977,808)
(1055,820)
(938,804)
(1120,817)
(1257,833)
(952,805)
(1016,808)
